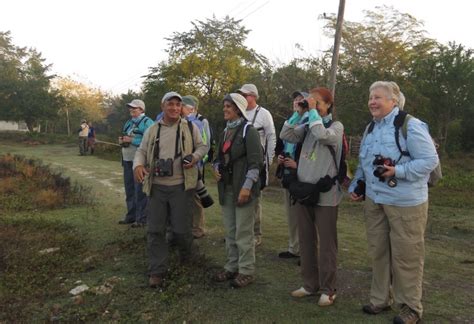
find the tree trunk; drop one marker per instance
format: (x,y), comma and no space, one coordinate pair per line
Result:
(68,124)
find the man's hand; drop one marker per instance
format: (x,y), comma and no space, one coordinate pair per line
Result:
(189,164)
(127,139)
(217,175)
(244,196)
(140,173)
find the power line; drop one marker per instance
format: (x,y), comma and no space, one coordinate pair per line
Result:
(256,9)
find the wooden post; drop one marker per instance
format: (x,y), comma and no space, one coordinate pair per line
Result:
(337,43)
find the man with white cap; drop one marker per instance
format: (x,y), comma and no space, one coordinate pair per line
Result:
(166,163)
(262,120)
(132,134)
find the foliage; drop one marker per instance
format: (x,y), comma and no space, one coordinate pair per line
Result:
(208,61)
(24,85)
(28,185)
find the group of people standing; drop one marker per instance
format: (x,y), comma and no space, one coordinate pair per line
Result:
(168,160)
(87,139)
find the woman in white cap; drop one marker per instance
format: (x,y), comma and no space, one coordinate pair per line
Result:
(237,168)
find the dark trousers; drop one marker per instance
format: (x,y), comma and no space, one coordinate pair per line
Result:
(134,196)
(317,232)
(168,206)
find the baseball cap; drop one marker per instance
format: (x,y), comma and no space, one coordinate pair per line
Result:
(249,89)
(136,103)
(190,101)
(170,95)
(300,93)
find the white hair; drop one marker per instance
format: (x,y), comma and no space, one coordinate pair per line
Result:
(390,87)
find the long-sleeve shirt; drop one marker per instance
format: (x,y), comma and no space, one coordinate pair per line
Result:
(266,130)
(315,159)
(411,172)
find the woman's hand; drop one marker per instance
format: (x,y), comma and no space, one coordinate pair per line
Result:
(244,196)
(281,159)
(290,163)
(217,175)
(356,197)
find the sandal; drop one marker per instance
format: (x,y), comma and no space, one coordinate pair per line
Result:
(242,281)
(225,275)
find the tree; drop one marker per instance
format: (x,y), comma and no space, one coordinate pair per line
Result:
(79,101)
(208,61)
(446,80)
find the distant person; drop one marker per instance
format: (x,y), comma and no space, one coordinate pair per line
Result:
(91,138)
(262,120)
(202,199)
(396,204)
(166,163)
(286,171)
(83,133)
(132,134)
(317,217)
(239,160)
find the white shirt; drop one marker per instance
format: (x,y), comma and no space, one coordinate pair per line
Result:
(266,129)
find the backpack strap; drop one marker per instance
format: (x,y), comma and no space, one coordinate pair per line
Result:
(399,121)
(333,153)
(190,126)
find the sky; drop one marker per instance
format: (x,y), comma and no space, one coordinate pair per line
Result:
(110,44)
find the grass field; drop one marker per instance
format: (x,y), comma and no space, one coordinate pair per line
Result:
(111,259)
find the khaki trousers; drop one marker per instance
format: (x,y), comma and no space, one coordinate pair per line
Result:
(239,239)
(198,217)
(396,244)
(317,229)
(292,216)
(257,227)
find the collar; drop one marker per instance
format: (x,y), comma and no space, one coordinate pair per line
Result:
(389,118)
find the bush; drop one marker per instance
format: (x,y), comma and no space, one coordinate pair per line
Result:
(28,184)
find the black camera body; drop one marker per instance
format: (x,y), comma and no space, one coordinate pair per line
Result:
(360,188)
(281,167)
(188,159)
(380,162)
(304,104)
(164,168)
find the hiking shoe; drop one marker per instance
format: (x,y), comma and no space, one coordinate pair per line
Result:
(287,255)
(258,240)
(326,300)
(242,281)
(299,293)
(406,316)
(374,310)
(155,281)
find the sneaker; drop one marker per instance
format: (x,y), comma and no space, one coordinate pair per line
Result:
(326,300)
(374,310)
(155,281)
(258,240)
(406,316)
(299,293)
(287,255)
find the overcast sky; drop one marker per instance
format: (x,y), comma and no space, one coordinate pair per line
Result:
(111,43)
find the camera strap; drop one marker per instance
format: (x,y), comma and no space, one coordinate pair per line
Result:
(156,153)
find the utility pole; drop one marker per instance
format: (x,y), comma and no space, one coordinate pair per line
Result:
(337,43)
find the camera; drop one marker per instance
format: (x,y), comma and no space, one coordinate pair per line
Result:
(304,104)
(281,167)
(164,168)
(380,162)
(122,143)
(360,188)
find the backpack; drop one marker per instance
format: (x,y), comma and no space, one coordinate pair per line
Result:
(401,121)
(263,170)
(341,175)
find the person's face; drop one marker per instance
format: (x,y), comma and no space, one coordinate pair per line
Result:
(187,110)
(297,108)
(135,112)
(251,100)
(380,105)
(230,111)
(172,109)
(321,106)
